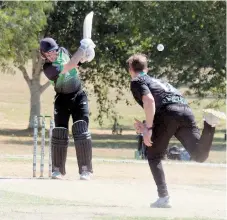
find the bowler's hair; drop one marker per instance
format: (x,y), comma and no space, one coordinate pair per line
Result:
(138,62)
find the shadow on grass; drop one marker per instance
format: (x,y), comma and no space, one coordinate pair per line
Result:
(107,144)
(16,132)
(29,133)
(127,141)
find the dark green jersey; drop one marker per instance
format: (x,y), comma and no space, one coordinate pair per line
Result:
(63,83)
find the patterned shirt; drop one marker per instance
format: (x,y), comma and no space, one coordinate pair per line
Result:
(63,83)
(163,92)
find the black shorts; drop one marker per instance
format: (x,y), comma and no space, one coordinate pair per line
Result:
(178,120)
(73,104)
(173,120)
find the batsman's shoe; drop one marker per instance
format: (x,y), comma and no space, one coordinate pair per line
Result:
(57,175)
(85,175)
(163,202)
(213,117)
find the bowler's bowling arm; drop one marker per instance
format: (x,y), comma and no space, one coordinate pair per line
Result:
(149,109)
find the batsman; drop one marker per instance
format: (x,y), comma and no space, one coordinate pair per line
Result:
(70,100)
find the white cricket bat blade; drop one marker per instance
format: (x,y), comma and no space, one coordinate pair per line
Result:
(87,27)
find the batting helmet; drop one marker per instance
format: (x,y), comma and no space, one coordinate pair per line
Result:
(48,44)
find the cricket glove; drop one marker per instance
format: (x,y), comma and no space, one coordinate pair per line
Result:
(87,45)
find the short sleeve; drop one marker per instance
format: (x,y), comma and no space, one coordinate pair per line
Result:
(139,89)
(51,72)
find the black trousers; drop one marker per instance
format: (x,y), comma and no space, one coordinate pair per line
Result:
(73,104)
(176,120)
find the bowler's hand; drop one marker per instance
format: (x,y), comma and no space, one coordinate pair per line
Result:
(147,137)
(139,126)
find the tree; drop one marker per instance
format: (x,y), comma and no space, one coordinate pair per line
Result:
(21,25)
(193,34)
(194,37)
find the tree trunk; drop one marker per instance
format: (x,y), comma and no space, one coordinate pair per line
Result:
(35,105)
(35,94)
(36,89)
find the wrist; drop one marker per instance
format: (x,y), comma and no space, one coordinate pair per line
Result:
(146,129)
(149,128)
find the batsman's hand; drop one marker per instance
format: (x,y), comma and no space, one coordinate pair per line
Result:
(87,45)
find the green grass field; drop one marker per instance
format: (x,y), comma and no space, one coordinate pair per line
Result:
(14,114)
(27,201)
(15,97)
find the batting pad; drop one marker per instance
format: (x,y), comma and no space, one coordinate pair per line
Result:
(82,141)
(59,143)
